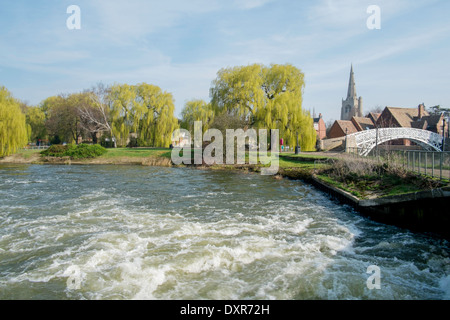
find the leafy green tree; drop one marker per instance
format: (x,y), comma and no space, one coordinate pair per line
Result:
(238,91)
(266,97)
(13,130)
(158,121)
(63,117)
(197,110)
(144,109)
(123,121)
(35,119)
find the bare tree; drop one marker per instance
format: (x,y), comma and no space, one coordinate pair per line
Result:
(328,126)
(377,109)
(95,114)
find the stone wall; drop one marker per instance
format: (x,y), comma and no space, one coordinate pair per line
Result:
(332,144)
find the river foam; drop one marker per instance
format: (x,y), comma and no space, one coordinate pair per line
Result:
(151,233)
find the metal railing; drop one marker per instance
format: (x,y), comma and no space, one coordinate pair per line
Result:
(36,147)
(430,163)
(434,164)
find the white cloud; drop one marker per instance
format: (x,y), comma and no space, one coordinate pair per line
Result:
(132,19)
(113,46)
(352,14)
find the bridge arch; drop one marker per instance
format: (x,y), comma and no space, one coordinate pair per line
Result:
(366,141)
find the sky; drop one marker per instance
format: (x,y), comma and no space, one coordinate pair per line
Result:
(180,45)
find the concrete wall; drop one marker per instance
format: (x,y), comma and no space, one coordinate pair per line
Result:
(423,212)
(332,144)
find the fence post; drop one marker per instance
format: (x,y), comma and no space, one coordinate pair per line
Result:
(448,169)
(404,152)
(440,166)
(432,165)
(420,162)
(426,162)
(409,160)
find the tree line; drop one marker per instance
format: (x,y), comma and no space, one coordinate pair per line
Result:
(253,96)
(260,97)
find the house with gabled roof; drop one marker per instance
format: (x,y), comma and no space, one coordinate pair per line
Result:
(373,116)
(341,128)
(352,120)
(417,118)
(362,123)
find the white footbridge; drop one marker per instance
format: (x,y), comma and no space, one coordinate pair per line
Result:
(366,141)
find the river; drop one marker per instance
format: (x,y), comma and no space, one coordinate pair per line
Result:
(134,232)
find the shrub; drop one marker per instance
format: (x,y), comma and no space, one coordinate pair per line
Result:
(55,150)
(368,175)
(81,151)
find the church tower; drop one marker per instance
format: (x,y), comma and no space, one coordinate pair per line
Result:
(352,106)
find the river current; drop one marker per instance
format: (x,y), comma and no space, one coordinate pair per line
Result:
(134,232)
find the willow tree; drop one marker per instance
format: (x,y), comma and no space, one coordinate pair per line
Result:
(266,97)
(122,107)
(35,119)
(143,109)
(283,87)
(238,91)
(197,110)
(157,122)
(13,130)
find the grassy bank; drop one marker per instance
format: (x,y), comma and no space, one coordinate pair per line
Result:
(117,156)
(136,153)
(367,179)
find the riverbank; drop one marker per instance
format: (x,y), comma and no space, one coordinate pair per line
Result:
(122,156)
(404,203)
(422,211)
(358,177)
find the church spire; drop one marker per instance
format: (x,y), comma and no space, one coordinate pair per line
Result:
(351,85)
(352,106)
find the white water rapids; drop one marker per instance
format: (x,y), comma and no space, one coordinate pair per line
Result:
(123,232)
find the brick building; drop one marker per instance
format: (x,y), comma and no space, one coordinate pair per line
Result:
(320,127)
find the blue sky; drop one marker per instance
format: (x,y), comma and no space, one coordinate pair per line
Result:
(180,45)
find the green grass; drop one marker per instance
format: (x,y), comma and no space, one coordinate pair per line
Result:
(382,185)
(303,164)
(305,155)
(28,153)
(401,189)
(137,153)
(341,186)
